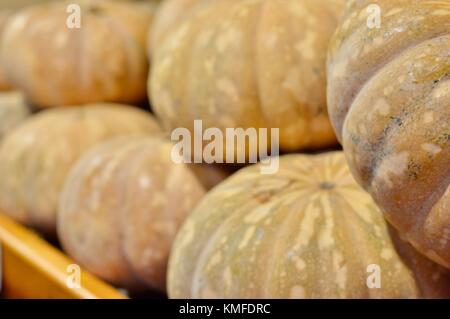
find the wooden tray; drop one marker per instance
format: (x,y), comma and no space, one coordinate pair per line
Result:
(32,268)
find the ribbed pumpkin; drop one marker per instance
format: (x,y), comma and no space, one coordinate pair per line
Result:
(249,64)
(308,231)
(102,61)
(36,156)
(121,207)
(389,100)
(13,110)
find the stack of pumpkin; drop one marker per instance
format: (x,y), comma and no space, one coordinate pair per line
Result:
(372,221)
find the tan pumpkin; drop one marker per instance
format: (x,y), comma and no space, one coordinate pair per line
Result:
(121,207)
(389,100)
(13,111)
(102,61)
(36,157)
(308,231)
(249,64)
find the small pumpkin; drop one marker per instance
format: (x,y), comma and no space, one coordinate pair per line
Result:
(13,111)
(248,64)
(308,231)
(102,61)
(36,157)
(121,207)
(389,100)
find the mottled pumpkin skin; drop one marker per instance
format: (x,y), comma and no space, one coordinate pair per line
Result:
(170,13)
(13,111)
(249,64)
(103,61)
(389,101)
(36,157)
(308,231)
(121,207)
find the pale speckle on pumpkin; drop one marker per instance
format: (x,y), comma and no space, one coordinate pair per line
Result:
(144,182)
(391,166)
(387,253)
(229,88)
(246,238)
(299,263)
(442,90)
(431,148)
(382,107)
(306,47)
(340,270)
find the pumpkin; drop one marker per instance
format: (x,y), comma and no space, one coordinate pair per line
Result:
(248,64)
(171,13)
(102,61)
(36,157)
(308,231)
(13,110)
(121,207)
(389,100)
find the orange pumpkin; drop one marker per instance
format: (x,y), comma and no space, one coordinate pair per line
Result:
(102,61)
(36,157)
(389,100)
(308,231)
(248,64)
(121,207)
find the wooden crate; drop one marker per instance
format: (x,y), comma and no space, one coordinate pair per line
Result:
(32,268)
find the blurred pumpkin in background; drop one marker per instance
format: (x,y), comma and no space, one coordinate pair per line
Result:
(55,63)
(13,110)
(36,156)
(308,231)
(248,64)
(121,207)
